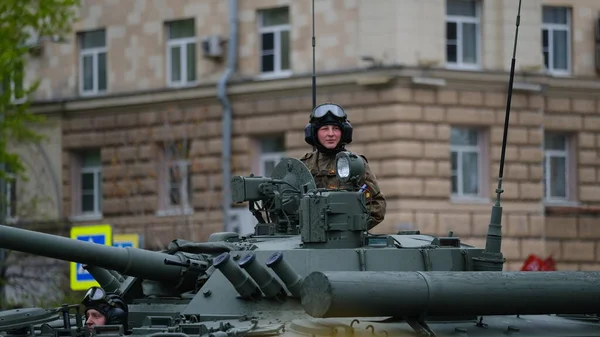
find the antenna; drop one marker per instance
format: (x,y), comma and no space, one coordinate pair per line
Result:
(314,77)
(492,258)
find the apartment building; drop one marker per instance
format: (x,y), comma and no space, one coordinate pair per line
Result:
(143,98)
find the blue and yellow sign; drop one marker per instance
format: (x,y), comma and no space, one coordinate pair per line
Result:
(81,279)
(126,240)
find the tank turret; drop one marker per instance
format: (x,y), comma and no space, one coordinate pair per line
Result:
(324,219)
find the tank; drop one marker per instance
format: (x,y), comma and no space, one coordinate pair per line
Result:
(311,268)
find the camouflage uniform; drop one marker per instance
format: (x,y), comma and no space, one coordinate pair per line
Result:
(322,168)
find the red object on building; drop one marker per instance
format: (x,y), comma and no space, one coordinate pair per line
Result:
(549,264)
(535,263)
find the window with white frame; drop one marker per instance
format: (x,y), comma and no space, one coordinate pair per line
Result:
(274,30)
(241,221)
(465,153)
(92,62)
(556,39)
(90,191)
(272,150)
(463,33)
(176,176)
(181,52)
(556,167)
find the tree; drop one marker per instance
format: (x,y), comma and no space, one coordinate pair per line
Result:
(24,27)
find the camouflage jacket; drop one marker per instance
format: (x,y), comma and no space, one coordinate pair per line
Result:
(322,168)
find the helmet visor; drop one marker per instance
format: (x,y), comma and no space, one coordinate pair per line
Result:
(322,110)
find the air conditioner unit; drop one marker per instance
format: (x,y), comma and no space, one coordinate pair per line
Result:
(35,45)
(37,49)
(212,46)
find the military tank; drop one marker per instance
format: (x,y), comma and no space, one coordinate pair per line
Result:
(311,268)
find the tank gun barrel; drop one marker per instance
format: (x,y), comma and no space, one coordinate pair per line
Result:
(414,294)
(127,261)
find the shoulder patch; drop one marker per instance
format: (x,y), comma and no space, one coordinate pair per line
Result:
(306,156)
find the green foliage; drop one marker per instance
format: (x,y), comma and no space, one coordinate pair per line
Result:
(24,24)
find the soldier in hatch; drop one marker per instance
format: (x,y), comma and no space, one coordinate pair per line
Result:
(103,308)
(329,131)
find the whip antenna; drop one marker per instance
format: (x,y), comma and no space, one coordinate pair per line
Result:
(314,77)
(492,259)
(508,101)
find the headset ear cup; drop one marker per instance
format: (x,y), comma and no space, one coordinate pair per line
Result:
(118,313)
(308,134)
(117,316)
(347,133)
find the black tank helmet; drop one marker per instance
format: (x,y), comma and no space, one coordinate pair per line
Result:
(328,114)
(111,305)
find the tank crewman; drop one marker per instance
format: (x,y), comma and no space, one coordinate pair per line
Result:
(329,131)
(102,308)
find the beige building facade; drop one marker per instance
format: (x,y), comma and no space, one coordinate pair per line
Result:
(424,84)
(36,197)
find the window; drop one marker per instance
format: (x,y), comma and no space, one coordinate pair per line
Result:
(556,167)
(176,178)
(274,32)
(181,52)
(92,62)
(272,150)
(465,150)
(89,184)
(462,33)
(556,39)
(241,221)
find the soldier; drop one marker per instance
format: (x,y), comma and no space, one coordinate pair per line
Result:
(330,131)
(103,308)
